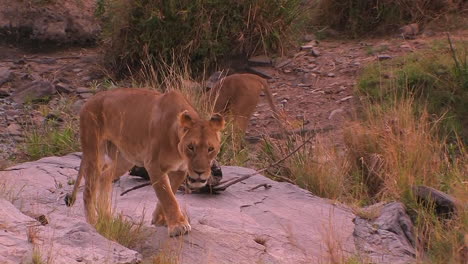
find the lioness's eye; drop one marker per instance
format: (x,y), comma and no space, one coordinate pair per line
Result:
(190,147)
(210,149)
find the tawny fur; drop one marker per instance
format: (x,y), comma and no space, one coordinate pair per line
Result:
(236,96)
(162,132)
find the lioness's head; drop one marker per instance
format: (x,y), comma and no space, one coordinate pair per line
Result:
(199,144)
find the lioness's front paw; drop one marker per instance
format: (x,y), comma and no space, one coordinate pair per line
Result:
(179,229)
(159,220)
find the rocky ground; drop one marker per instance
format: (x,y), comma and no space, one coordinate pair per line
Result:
(280,224)
(314,85)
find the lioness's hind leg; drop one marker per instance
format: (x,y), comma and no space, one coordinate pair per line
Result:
(117,165)
(91,163)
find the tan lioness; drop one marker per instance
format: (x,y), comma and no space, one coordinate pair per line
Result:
(237,96)
(161,132)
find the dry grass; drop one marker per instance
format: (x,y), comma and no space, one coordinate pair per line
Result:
(318,166)
(120,229)
(394,149)
(56,135)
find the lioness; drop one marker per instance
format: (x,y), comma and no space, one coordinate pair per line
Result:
(161,132)
(237,96)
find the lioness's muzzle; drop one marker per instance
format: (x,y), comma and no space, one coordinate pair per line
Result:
(192,180)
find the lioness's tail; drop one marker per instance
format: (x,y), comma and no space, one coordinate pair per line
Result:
(70,198)
(269,96)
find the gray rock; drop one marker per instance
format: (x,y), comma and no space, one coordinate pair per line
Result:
(5,75)
(335,112)
(280,63)
(86,95)
(33,91)
(65,243)
(76,107)
(309,37)
(260,61)
(282,224)
(4,93)
(445,204)
(81,90)
(315,52)
(261,71)
(388,238)
(57,21)
(383,57)
(63,88)
(13,130)
(409,31)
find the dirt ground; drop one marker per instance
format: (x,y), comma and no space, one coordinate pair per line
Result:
(314,86)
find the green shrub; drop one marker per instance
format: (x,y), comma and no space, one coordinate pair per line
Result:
(143,32)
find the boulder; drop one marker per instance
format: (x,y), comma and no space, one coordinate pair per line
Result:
(36,90)
(5,75)
(244,224)
(54,21)
(388,237)
(444,204)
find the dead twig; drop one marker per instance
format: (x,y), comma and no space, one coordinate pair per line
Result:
(266,185)
(225,186)
(136,187)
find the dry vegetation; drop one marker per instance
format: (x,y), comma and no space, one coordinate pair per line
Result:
(411,130)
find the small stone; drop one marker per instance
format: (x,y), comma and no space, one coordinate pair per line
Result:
(262,72)
(331,74)
(77,70)
(383,57)
(13,129)
(5,75)
(63,88)
(345,99)
(309,37)
(86,95)
(405,46)
(334,113)
(4,93)
(314,52)
(409,31)
(37,90)
(260,61)
(282,62)
(81,90)
(306,47)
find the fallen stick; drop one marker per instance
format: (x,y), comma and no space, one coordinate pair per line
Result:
(225,186)
(266,185)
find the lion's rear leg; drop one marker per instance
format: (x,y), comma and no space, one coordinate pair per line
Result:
(90,170)
(91,163)
(116,165)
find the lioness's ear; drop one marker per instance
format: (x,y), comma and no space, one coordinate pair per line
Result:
(217,122)
(185,120)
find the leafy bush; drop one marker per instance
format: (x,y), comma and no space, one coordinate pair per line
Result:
(146,32)
(365,16)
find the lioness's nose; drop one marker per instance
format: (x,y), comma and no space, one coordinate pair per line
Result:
(198,172)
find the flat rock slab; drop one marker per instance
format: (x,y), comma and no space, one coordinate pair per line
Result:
(282,224)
